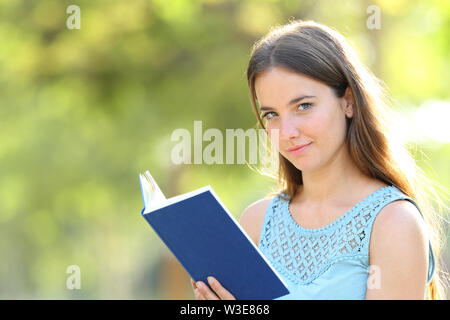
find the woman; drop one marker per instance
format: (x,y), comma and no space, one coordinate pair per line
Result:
(346,223)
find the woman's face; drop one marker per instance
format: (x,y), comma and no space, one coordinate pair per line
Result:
(306,112)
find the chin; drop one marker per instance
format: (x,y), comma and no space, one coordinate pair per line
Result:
(304,164)
(302,167)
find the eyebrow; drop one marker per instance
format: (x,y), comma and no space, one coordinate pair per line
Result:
(298,99)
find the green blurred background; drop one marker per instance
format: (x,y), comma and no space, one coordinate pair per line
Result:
(82,112)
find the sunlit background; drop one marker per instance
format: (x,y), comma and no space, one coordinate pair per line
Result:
(82,112)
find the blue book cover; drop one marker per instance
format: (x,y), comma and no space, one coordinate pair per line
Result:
(208,241)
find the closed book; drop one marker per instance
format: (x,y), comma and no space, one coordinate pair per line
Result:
(208,241)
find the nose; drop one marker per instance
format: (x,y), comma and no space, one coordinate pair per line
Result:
(288,129)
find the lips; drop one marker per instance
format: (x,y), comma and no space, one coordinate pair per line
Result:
(297,147)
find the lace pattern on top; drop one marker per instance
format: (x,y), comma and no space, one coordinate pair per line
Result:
(302,254)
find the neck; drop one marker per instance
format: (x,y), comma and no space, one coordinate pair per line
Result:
(334,181)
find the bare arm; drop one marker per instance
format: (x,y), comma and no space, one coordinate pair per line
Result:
(253,217)
(398,253)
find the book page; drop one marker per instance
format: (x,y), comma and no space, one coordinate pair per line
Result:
(153,197)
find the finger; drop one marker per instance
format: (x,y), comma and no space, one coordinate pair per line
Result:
(194,288)
(205,291)
(193,284)
(198,295)
(223,293)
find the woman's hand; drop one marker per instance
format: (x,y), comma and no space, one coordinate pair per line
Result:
(203,292)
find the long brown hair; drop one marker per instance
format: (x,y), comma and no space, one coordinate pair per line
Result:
(322,53)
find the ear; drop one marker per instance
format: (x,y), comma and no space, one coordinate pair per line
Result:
(349,102)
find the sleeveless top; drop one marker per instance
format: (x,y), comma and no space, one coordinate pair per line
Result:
(331,262)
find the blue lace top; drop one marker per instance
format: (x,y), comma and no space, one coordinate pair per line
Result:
(331,262)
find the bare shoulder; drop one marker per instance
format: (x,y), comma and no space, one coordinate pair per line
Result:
(253,217)
(399,249)
(400,219)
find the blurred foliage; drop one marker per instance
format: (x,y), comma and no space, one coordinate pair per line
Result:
(82,112)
